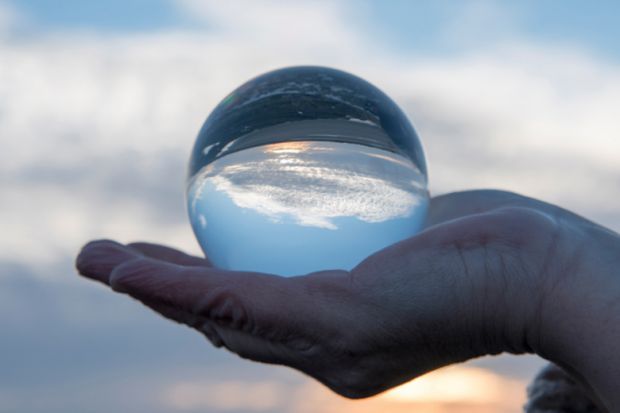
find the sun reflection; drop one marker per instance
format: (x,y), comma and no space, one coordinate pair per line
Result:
(286,147)
(464,385)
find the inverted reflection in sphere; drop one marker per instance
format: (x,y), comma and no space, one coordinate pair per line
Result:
(304,169)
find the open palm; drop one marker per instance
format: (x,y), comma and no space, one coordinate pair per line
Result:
(474,282)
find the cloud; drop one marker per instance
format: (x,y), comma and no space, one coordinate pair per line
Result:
(96,130)
(531,119)
(314,183)
(311,27)
(95,133)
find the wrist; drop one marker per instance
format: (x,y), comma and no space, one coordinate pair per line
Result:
(579,316)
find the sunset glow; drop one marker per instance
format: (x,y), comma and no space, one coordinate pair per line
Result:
(453,389)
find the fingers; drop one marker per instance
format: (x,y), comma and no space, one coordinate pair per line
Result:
(238,300)
(259,317)
(98,258)
(172,255)
(125,269)
(151,280)
(157,284)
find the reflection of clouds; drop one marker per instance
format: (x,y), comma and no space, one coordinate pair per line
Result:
(314,182)
(203,220)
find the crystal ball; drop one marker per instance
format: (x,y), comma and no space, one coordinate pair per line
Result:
(305,169)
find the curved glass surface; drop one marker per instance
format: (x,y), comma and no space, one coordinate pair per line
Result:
(305,169)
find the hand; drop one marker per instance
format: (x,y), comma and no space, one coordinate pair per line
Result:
(491,272)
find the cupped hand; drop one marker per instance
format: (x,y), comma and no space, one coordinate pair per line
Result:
(490,273)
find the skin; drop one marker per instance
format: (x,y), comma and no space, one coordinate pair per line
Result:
(492,272)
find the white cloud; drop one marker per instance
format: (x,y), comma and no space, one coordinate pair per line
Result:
(95,131)
(308,26)
(299,180)
(533,119)
(529,98)
(79,110)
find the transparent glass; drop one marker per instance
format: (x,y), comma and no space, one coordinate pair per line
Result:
(279,191)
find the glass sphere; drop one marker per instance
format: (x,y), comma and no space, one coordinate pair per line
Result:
(305,169)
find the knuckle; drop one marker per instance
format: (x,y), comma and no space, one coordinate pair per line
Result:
(125,274)
(224,307)
(522,223)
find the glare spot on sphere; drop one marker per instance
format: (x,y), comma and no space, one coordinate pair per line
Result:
(305,169)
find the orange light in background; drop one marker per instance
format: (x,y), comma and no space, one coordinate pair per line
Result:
(456,389)
(452,385)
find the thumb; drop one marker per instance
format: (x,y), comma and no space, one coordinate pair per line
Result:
(472,285)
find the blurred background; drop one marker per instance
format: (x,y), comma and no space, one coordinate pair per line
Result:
(100,103)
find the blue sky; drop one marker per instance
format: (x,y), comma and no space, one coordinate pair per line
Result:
(100,103)
(418,25)
(409,26)
(110,16)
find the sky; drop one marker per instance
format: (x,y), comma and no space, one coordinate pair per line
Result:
(100,103)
